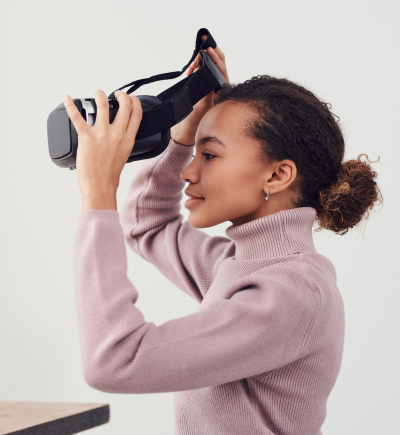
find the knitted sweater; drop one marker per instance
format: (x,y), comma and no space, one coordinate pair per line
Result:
(263,350)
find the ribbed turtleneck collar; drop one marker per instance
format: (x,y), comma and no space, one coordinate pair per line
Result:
(278,234)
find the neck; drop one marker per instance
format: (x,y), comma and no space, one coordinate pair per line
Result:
(272,207)
(275,235)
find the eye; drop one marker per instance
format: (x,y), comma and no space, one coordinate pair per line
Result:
(207,154)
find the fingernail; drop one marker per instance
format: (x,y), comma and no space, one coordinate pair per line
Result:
(66,97)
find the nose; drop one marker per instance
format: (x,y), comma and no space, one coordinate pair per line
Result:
(190,174)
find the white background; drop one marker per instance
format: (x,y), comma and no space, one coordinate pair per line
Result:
(346,51)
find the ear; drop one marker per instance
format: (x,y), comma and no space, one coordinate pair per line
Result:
(284,173)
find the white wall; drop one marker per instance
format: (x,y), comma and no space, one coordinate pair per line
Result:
(346,51)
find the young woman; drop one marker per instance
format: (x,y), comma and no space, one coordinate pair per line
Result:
(263,351)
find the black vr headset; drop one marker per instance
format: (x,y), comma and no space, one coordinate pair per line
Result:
(160,112)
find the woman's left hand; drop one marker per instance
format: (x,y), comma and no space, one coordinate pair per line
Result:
(104,148)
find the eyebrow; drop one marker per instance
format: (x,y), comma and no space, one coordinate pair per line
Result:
(214,139)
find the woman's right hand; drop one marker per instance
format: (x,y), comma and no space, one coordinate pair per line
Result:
(184,132)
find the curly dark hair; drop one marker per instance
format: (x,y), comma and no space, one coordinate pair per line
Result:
(290,122)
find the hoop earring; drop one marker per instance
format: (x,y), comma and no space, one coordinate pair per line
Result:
(267,195)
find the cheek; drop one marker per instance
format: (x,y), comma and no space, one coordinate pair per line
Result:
(216,181)
(230,182)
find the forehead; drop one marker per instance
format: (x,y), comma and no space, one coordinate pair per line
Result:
(227,118)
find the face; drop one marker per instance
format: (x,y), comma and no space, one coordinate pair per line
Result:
(232,179)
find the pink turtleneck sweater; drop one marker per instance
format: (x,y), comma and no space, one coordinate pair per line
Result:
(263,350)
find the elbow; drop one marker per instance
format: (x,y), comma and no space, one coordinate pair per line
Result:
(96,380)
(99,377)
(102,383)
(109,382)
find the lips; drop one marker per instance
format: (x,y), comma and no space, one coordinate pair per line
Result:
(192,195)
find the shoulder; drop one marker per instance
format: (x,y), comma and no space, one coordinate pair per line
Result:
(318,268)
(284,282)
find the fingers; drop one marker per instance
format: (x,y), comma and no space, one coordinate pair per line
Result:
(220,63)
(103,110)
(135,117)
(216,55)
(124,111)
(216,49)
(194,65)
(75,116)
(220,54)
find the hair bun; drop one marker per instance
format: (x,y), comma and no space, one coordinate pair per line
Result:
(348,200)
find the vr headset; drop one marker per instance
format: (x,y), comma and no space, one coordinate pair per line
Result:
(160,112)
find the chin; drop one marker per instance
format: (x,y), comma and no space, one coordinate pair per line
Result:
(196,222)
(202,222)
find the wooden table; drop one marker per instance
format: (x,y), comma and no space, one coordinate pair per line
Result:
(45,418)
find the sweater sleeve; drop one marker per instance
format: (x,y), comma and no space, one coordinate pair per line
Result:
(153,228)
(260,327)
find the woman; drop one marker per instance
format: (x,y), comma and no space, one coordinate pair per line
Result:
(263,351)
